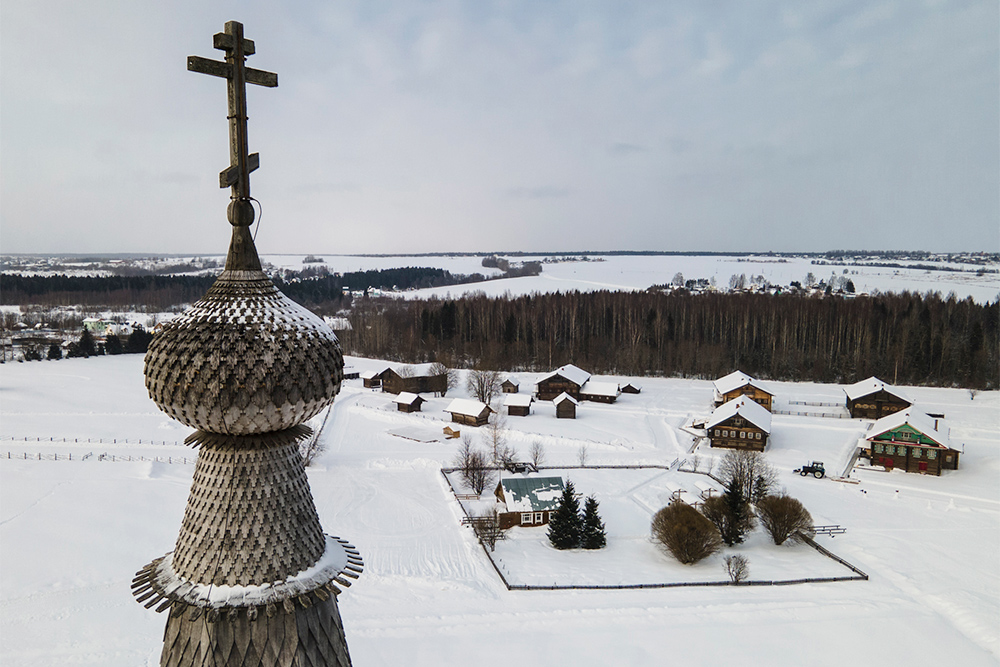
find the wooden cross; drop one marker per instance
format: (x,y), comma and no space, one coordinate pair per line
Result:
(235,71)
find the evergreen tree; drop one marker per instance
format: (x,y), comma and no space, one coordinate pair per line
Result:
(593,528)
(565,524)
(138,341)
(55,352)
(86,346)
(113,344)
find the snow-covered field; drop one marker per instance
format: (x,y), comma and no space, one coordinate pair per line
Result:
(72,533)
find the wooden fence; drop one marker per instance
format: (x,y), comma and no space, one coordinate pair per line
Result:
(38,456)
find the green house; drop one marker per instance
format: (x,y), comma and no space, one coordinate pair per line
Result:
(913,441)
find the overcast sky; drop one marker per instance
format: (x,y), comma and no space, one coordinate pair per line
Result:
(407,126)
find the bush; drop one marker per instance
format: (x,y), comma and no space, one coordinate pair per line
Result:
(784,517)
(684,533)
(737,567)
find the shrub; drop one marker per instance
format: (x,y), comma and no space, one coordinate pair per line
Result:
(737,567)
(684,533)
(731,514)
(784,517)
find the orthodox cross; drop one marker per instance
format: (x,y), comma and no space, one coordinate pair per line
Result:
(235,71)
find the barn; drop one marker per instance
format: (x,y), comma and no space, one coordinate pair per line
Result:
(738,384)
(741,423)
(565,406)
(408,402)
(372,379)
(631,388)
(912,441)
(509,386)
(470,412)
(394,383)
(874,399)
(518,405)
(568,379)
(528,501)
(601,392)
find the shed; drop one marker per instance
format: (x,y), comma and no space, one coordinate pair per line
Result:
(508,386)
(601,392)
(913,441)
(565,379)
(738,384)
(518,405)
(470,412)
(372,379)
(565,406)
(631,388)
(874,399)
(528,501)
(408,402)
(741,423)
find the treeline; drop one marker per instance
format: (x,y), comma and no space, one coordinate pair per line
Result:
(905,338)
(164,292)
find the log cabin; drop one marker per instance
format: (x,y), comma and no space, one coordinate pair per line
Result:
(518,405)
(565,406)
(874,399)
(528,501)
(568,379)
(738,384)
(741,423)
(600,392)
(508,386)
(631,388)
(408,402)
(470,412)
(394,383)
(913,441)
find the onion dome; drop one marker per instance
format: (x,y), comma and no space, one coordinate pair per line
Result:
(245,359)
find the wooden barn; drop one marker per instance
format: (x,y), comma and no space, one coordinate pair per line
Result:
(568,379)
(565,406)
(601,392)
(874,399)
(741,423)
(372,379)
(738,384)
(518,405)
(470,412)
(528,501)
(631,388)
(509,386)
(912,441)
(394,383)
(408,402)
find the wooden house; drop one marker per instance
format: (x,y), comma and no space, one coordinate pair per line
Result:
(372,379)
(738,384)
(631,388)
(408,402)
(394,383)
(518,405)
(741,423)
(601,392)
(565,406)
(470,412)
(913,441)
(874,399)
(566,379)
(528,501)
(508,386)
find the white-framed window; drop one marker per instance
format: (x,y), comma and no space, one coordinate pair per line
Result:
(758,435)
(539,517)
(743,435)
(716,433)
(526,518)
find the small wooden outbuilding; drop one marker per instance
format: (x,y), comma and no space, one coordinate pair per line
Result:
(528,501)
(874,399)
(372,379)
(600,392)
(470,412)
(631,388)
(913,441)
(741,423)
(408,402)
(508,386)
(565,406)
(518,405)
(738,384)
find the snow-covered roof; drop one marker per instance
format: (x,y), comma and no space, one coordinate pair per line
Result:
(600,388)
(871,386)
(564,397)
(531,494)
(406,398)
(467,406)
(738,379)
(744,407)
(510,381)
(368,375)
(518,400)
(577,376)
(914,418)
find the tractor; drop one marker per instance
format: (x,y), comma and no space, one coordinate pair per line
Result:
(815,469)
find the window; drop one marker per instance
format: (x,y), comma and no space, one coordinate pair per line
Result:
(716,433)
(758,435)
(878,448)
(526,518)
(905,435)
(538,517)
(743,435)
(725,434)
(915,451)
(889,449)
(931,454)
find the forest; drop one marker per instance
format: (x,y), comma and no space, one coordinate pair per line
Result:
(903,338)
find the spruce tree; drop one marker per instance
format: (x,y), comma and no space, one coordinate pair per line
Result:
(593,528)
(86,345)
(565,524)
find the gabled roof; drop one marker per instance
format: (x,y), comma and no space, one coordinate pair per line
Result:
(871,386)
(518,400)
(564,397)
(510,382)
(915,419)
(738,379)
(468,407)
(408,398)
(368,375)
(532,494)
(577,376)
(744,407)
(600,388)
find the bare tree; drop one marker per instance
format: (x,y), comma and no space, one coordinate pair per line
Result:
(737,567)
(311,448)
(731,515)
(684,533)
(473,465)
(751,471)
(537,453)
(495,435)
(437,368)
(678,279)
(784,517)
(487,528)
(484,384)
(405,371)
(581,456)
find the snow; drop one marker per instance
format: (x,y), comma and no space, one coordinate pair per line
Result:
(736,380)
(744,407)
(914,418)
(73,533)
(467,406)
(592,388)
(871,386)
(574,374)
(518,400)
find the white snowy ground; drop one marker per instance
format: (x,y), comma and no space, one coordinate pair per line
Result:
(72,533)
